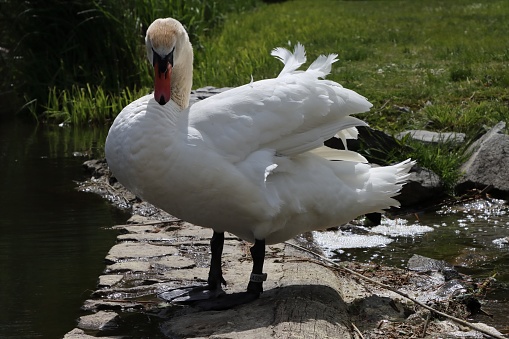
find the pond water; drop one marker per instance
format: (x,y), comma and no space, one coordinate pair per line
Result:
(473,236)
(53,239)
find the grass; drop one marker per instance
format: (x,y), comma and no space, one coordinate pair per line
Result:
(397,53)
(90,104)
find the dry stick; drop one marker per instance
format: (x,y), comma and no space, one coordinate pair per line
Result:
(428,318)
(457,320)
(357,331)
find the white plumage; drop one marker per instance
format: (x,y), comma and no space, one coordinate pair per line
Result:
(250,160)
(239,161)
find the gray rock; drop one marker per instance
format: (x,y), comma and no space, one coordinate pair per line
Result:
(80,334)
(423,186)
(420,263)
(173,261)
(100,321)
(109,280)
(124,251)
(128,266)
(433,137)
(488,165)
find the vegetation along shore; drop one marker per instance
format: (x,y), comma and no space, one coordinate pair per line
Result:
(440,66)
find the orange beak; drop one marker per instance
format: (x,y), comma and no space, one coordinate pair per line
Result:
(162,83)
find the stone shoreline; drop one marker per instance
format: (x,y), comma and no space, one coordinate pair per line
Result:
(303,298)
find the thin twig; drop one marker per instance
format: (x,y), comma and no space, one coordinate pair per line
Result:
(382,107)
(428,318)
(390,288)
(357,331)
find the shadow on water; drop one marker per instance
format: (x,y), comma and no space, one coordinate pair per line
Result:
(53,239)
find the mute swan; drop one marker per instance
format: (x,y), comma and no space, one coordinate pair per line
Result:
(245,161)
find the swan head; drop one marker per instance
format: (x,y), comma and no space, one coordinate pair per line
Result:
(170,53)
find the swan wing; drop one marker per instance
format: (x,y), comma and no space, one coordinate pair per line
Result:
(291,114)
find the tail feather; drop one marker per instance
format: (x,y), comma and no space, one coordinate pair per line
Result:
(385,183)
(291,60)
(322,65)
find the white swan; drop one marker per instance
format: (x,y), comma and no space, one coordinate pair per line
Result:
(243,161)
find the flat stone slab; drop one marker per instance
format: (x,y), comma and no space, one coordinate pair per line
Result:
(109,280)
(100,321)
(129,266)
(125,251)
(192,231)
(80,334)
(173,262)
(433,137)
(146,237)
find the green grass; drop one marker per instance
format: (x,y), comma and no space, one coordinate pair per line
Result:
(451,54)
(89,104)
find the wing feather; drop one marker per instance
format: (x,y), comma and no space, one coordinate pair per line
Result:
(291,114)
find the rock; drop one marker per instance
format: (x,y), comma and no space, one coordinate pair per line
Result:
(80,334)
(97,168)
(173,261)
(433,137)
(420,263)
(100,321)
(145,237)
(109,280)
(124,251)
(488,164)
(93,305)
(128,266)
(423,186)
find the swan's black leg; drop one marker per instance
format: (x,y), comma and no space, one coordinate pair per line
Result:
(213,289)
(212,297)
(257,276)
(254,288)
(216,273)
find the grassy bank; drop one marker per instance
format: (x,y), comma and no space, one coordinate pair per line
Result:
(445,61)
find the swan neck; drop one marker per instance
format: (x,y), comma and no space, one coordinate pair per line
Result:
(182,79)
